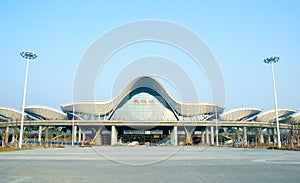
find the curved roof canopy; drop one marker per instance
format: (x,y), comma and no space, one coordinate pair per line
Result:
(10,113)
(240,114)
(144,81)
(44,112)
(296,117)
(270,116)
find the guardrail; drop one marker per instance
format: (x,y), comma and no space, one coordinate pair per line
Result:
(146,123)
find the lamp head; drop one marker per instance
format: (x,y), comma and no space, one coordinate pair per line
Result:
(271,60)
(28,55)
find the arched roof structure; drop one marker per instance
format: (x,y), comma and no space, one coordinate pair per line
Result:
(270,116)
(296,117)
(240,114)
(144,81)
(10,113)
(44,112)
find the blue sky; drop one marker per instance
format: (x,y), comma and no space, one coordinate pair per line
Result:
(240,35)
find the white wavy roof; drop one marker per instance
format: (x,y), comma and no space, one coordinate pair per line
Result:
(270,116)
(44,112)
(147,81)
(240,114)
(10,113)
(296,117)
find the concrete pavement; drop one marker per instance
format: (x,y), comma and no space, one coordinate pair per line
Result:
(150,164)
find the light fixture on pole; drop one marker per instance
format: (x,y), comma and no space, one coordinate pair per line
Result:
(28,56)
(272,61)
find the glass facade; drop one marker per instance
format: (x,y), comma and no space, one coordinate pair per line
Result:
(143,104)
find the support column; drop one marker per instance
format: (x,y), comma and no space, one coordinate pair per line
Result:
(83,136)
(212,135)
(245,136)
(269,136)
(238,134)
(40,135)
(13,136)
(97,138)
(174,136)
(203,137)
(114,136)
(207,136)
(46,136)
(75,134)
(79,135)
(262,141)
(6,135)
(217,135)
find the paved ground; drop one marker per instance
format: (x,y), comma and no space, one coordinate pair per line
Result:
(150,164)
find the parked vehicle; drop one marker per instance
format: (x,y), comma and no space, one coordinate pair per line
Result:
(133,143)
(238,144)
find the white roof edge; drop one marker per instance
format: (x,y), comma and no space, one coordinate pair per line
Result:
(241,109)
(296,114)
(10,108)
(115,100)
(86,102)
(45,107)
(279,109)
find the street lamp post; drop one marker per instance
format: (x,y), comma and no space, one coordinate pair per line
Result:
(272,61)
(73,127)
(28,56)
(217,130)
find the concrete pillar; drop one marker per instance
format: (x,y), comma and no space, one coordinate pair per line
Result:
(98,138)
(212,136)
(6,135)
(203,137)
(174,136)
(238,134)
(75,134)
(79,135)
(262,141)
(40,135)
(269,136)
(207,136)
(245,136)
(13,136)
(83,136)
(217,135)
(46,136)
(114,136)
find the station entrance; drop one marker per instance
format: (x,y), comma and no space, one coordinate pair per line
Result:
(154,136)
